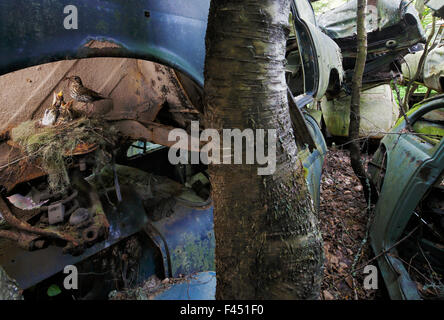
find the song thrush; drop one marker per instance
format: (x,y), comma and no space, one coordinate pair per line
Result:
(80,93)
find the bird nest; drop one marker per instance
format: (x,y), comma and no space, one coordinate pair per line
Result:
(55,146)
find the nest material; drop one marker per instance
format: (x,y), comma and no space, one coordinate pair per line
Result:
(54,146)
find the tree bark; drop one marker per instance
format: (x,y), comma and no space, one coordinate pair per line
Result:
(355,113)
(268,245)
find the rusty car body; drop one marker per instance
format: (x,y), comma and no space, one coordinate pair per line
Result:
(407,233)
(379,112)
(437,6)
(158,217)
(432,73)
(314,54)
(393,27)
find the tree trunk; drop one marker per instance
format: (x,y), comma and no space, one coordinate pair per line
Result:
(268,245)
(355,113)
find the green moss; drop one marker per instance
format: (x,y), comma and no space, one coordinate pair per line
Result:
(408,113)
(195,254)
(433,132)
(306,172)
(55,145)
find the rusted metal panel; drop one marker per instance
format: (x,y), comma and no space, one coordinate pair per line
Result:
(29,268)
(139,89)
(321,56)
(385,20)
(170,32)
(379,112)
(437,6)
(185,237)
(413,165)
(393,27)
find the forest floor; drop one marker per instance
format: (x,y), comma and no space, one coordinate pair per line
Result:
(343,218)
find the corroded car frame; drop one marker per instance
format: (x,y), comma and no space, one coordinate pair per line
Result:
(410,167)
(169,32)
(393,27)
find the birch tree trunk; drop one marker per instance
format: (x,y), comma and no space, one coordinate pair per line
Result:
(268,245)
(355,113)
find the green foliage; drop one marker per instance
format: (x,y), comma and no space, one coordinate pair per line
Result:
(426,17)
(403,91)
(53,290)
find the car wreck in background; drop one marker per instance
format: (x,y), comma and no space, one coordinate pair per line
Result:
(393,27)
(95,188)
(379,112)
(432,73)
(313,56)
(407,233)
(437,6)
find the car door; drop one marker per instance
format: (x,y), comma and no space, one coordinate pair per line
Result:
(320,55)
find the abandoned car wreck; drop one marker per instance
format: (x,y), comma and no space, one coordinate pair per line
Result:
(91,185)
(87,181)
(98,180)
(409,219)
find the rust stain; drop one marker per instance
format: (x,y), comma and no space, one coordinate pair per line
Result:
(424,174)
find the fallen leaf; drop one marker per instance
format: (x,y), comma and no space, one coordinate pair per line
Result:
(327,295)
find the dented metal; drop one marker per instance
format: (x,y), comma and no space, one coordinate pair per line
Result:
(393,26)
(405,166)
(384,21)
(437,6)
(172,33)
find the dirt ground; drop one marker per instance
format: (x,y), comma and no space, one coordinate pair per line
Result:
(343,218)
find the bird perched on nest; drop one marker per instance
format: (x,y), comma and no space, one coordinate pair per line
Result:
(81,93)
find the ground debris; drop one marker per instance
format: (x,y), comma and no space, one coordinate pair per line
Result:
(343,219)
(152,287)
